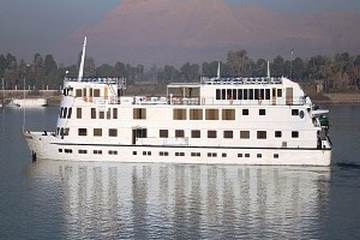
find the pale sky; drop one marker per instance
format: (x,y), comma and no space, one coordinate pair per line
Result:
(29,26)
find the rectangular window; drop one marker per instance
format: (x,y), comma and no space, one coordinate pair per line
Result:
(97,132)
(244,134)
(84,92)
(134,153)
(196,114)
(261,134)
(240,155)
(139,113)
(234,94)
(115,113)
(274,92)
(224,155)
(112,152)
(223,94)
(179,154)
(245,96)
(108,114)
(66,131)
(78,113)
(179,133)
(195,134)
(65,113)
(140,132)
(295,112)
(262,112)
(245,112)
(240,94)
(276,155)
(93,113)
(247,155)
(279,93)
(179,114)
(228,94)
(69,113)
(101,115)
(164,133)
(78,93)
(195,154)
(97,152)
(82,151)
(211,134)
(68,151)
(257,95)
(113,132)
(267,94)
(82,131)
(262,94)
(96,92)
(228,114)
(251,94)
(60,150)
(228,134)
(212,114)
(218,94)
(259,155)
(278,134)
(295,134)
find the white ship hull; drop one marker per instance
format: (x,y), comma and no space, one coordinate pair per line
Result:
(28,103)
(47,147)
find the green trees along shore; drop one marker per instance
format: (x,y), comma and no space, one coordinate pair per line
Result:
(338,73)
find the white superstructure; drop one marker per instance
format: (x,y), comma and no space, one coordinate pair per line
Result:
(215,121)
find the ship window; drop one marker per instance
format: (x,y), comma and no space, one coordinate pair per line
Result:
(134,153)
(240,155)
(96,92)
(267,94)
(274,92)
(195,134)
(228,94)
(115,113)
(78,113)
(245,112)
(244,134)
(211,134)
(224,155)
(78,93)
(196,114)
(68,151)
(228,134)
(262,112)
(60,150)
(212,114)
(179,114)
(245,96)
(113,152)
(247,155)
(228,114)
(97,132)
(257,94)
(179,154)
(261,134)
(279,93)
(140,132)
(69,113)
(295,134)
(240,94)
(97,152)
(278,134)
(108,114)
(262,94)
(93,113)
(90,92)
(66,131)
(81,151)
(234,94)
(212,154)
(196,154)
(82,131)
(251,94)
(295,112)
(139,113)
(276,155)
(164,133)
(101,115)
(61,112)
(223,94)
(65,113)
(259,155)
(113,132)
(218,94)
(179,133)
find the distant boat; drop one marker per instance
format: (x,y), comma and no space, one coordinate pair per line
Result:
(28,103)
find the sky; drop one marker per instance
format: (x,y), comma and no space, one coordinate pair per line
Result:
(47,26)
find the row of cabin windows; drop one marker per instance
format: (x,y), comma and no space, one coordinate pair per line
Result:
(111,113)
(87,93)
(246,94)
(165,154)
(163,133)
(98,132)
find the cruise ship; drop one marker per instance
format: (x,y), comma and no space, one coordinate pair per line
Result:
(218,120)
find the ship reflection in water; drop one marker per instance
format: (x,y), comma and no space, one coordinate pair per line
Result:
(102,200)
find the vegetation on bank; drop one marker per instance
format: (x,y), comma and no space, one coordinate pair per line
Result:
(338,73)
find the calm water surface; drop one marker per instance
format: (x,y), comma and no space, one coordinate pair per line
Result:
(61,200)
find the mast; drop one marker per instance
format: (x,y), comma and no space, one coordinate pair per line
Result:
(219,70)
(82,62)
(268,69)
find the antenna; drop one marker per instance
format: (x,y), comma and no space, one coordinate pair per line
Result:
(82,63)
(219,70)
(268,69)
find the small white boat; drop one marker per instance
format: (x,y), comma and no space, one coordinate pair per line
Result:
(28,103)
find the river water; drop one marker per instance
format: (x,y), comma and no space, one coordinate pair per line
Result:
(64,200)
